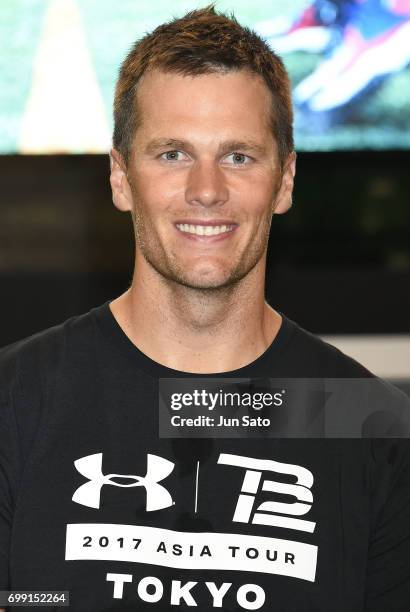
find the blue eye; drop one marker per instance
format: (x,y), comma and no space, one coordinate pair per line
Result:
(171,155)
(239,159)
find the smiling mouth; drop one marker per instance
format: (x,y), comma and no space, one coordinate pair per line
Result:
(205,230)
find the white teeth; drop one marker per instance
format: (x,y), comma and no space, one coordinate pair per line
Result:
(204,230)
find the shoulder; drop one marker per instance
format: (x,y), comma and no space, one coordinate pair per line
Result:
(32,369)
(314,357)
(309,356)
(32,357)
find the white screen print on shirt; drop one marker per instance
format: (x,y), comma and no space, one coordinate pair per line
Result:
(203,551)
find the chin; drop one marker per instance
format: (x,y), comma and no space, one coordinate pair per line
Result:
(196,276)
(212,282)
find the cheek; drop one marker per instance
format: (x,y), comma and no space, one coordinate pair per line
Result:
(150,212)
(256,192)
(258,205)
(157,192)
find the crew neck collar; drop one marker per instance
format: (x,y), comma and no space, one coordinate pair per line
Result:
(261,366)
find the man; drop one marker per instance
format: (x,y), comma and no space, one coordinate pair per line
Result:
(93,500)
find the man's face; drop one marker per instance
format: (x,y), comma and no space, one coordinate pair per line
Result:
(203,154)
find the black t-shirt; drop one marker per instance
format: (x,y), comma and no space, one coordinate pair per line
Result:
(93,501)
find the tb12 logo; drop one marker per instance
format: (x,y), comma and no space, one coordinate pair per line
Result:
(254,482)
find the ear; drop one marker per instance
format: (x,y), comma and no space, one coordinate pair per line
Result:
(120,187)
(283,199)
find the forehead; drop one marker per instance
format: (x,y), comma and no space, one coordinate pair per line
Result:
(215,101)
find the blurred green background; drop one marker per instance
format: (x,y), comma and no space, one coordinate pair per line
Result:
(378,121)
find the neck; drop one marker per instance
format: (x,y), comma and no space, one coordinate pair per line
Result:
(202,331)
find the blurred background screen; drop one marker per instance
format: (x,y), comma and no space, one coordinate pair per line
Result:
(338,261)
(347,60)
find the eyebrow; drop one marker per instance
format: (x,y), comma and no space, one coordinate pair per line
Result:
(225,147)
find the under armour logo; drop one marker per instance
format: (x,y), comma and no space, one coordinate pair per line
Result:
(268,512)
(89,493)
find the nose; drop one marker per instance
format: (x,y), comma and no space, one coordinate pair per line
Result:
(206,185)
